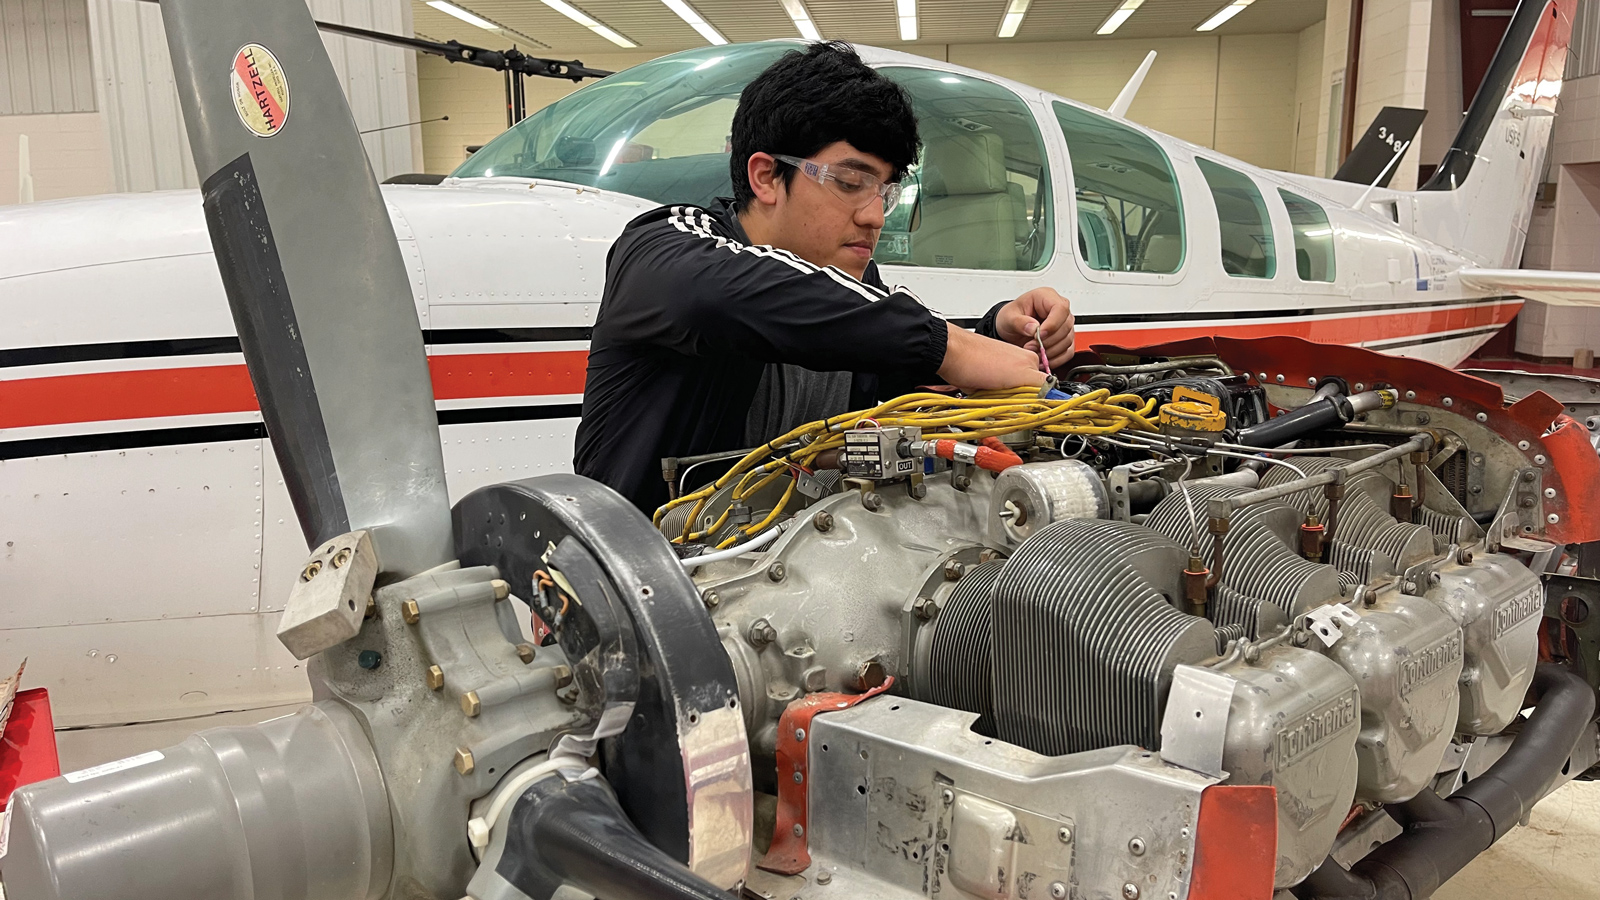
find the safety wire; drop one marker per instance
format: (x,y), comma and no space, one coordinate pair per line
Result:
(942,417)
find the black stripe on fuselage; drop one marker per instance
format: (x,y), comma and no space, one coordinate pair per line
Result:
(35,356)
(248,431)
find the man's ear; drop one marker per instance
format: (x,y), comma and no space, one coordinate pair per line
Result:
(765,183)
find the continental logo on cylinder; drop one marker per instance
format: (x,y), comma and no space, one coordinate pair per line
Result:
(1314,730)
(1518,609)
(260,90)
(1426,665)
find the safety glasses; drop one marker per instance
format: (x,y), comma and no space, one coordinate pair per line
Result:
(855,187)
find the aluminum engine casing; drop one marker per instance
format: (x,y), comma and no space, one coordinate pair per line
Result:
(1498,602)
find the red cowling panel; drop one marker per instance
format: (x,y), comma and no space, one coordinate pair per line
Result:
(1235,843)
(28,750)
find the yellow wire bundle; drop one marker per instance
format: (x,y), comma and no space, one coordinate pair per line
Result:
(941,417)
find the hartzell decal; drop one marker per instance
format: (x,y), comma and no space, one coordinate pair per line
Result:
(1314,730)
(260,90)
(1516,610)
(1425,665)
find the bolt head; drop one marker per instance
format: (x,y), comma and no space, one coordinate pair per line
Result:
(799,830)
(435,678)
(962,482)
(711,598)
(410,612)
(1550,493)
(800,735)
(1464,557)
(1539,459)
(311,570)
(947,796)
(1130,891)
(471,705)
(464,762)
(872,501)
(1278,378)
(823,521)
(919,491)
(502,589)
(1064,834)
(799,778)
(1482,417)
(1523,445)
(1552,518)
(526,652)
(824,877)
(369,659)
(1136,846)
(563,676)
(954,570)
(1448,402)
(1058,890)
(340,558)
(775,571)
(1411,395)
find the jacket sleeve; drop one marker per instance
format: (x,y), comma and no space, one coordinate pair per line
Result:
(988,326)
(677,285)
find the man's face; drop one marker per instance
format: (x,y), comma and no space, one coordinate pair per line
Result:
(815,223)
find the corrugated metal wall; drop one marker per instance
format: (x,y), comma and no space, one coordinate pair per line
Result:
(1585,41)
(134,84)
(44,57)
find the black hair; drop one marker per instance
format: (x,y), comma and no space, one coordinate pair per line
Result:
(809,99)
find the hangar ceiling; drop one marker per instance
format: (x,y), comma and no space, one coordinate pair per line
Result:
(655,27)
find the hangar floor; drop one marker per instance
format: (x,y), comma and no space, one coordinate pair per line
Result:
(1554,858)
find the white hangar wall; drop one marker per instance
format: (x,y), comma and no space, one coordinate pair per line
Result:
(90,83)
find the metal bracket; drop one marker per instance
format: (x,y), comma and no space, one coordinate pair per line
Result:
(1521,513)
(1194,728)
(329,600)
(1118,480)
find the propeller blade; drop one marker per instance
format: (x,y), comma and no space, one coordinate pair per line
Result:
(314,276)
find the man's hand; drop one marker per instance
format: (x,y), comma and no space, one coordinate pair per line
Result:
(973,362)
(1020,321)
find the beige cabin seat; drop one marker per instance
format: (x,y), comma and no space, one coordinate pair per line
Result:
(967,209)
(1164,254)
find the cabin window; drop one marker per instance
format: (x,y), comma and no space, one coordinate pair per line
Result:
(979,196)
(1242,222)
(1130,217)
(1313,238)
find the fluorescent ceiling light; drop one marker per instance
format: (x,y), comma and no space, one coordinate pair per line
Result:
(906,11)
(802,19)
(1118,16)
(687,13)
(1224,14)
(454,10)
(587,21)
(1013,18)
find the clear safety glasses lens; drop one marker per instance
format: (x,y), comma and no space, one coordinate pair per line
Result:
(853,186)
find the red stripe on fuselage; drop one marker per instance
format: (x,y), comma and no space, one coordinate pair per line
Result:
(209,390)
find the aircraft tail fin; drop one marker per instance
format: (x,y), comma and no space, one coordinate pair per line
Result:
(1390,134)
(1480,199)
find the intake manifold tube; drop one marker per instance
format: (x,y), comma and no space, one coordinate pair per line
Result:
(1443,835)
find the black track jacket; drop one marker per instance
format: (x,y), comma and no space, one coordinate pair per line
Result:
(690,316)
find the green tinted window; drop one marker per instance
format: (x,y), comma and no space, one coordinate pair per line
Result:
(1313,238)
(1130,218)
(1242,219)
(658,131)
(979,198)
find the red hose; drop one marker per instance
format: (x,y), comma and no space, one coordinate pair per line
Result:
(993,455)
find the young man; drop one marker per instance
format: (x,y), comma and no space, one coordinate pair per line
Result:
(698,302)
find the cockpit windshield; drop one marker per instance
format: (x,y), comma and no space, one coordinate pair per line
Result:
(658,131)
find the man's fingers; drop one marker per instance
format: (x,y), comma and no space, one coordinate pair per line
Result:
(1059,319)
(1059,347)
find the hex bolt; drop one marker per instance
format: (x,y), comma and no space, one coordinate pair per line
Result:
(824,877)
(1058,890)
(1525,502)
(775,571)
(464,762)
(502,589)
(1064,834)
(340,558)
(1423,418)
(369,659)
(711,598)
(988,555)
(526,652)
(762,633)
(435,678)
(471,705)
(1482,417)
(823,521)
(410,612)
(919,491)
(563,676)
(947,796)
(961,482)
(1130,891)
(925,608)
(1464,556)
(1136,846)
(871,501)
(311,570)
(954,570)
(1528,476)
